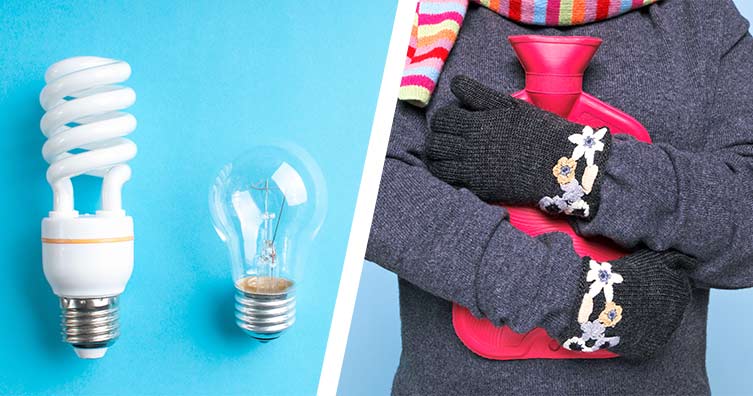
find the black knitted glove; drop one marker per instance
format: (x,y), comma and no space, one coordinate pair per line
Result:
(506,150)
(631,306)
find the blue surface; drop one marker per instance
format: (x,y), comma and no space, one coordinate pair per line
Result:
(210,81)
(374,346)
(373,350)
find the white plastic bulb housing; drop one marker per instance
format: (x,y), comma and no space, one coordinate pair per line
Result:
(267,206)
(88,259)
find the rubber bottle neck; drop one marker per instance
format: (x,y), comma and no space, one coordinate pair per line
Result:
(556,93)
(554,68)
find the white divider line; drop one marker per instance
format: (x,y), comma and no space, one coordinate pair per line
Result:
(366,201)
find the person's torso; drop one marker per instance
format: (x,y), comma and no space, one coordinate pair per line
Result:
(659,78)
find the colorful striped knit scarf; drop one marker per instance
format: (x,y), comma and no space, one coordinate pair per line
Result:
(437,22)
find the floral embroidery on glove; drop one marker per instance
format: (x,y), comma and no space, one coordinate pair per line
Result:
(589,177)
(592,331)
(564,171)
(602,280)
(611,315)
(587,143)
(570,203)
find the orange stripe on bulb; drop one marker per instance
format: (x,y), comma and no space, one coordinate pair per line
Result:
(86,241)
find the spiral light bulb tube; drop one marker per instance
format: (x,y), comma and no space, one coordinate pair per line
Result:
(88,259)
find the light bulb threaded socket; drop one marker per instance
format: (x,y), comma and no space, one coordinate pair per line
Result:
(90,323)
(264,316)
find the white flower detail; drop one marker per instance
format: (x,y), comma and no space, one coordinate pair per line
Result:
(575,344)
(603,278)
(588,143)
(580,207)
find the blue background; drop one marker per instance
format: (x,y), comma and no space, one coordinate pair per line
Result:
(211,81)
(373,350)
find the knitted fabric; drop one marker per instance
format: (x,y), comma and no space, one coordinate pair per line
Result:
(561,12)
(435,28)
(631,306)
(683,69)
(506,150)
(437,22)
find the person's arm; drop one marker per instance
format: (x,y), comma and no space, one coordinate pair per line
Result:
(451,244)
(698,202)
(669,195)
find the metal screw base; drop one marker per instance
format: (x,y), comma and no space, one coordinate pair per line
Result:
(90,325)
(264,316)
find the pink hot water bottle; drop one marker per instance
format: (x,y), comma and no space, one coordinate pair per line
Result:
(554,69)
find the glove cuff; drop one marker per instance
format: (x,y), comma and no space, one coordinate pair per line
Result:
(579,174)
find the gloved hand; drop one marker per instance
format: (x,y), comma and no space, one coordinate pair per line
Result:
(632,305)
(506,150)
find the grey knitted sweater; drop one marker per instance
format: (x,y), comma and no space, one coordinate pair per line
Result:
(682,68)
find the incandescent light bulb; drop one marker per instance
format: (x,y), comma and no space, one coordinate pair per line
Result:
(267,206)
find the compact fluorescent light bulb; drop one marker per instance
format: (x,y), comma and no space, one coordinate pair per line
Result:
(88,259)
(267,206)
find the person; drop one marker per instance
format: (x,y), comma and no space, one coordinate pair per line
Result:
(681,205)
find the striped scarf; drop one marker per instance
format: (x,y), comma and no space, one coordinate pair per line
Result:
(437,22)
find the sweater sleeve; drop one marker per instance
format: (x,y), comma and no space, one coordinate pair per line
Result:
(698,202)
(453,245)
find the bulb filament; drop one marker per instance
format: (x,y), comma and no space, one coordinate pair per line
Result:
(266,260)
